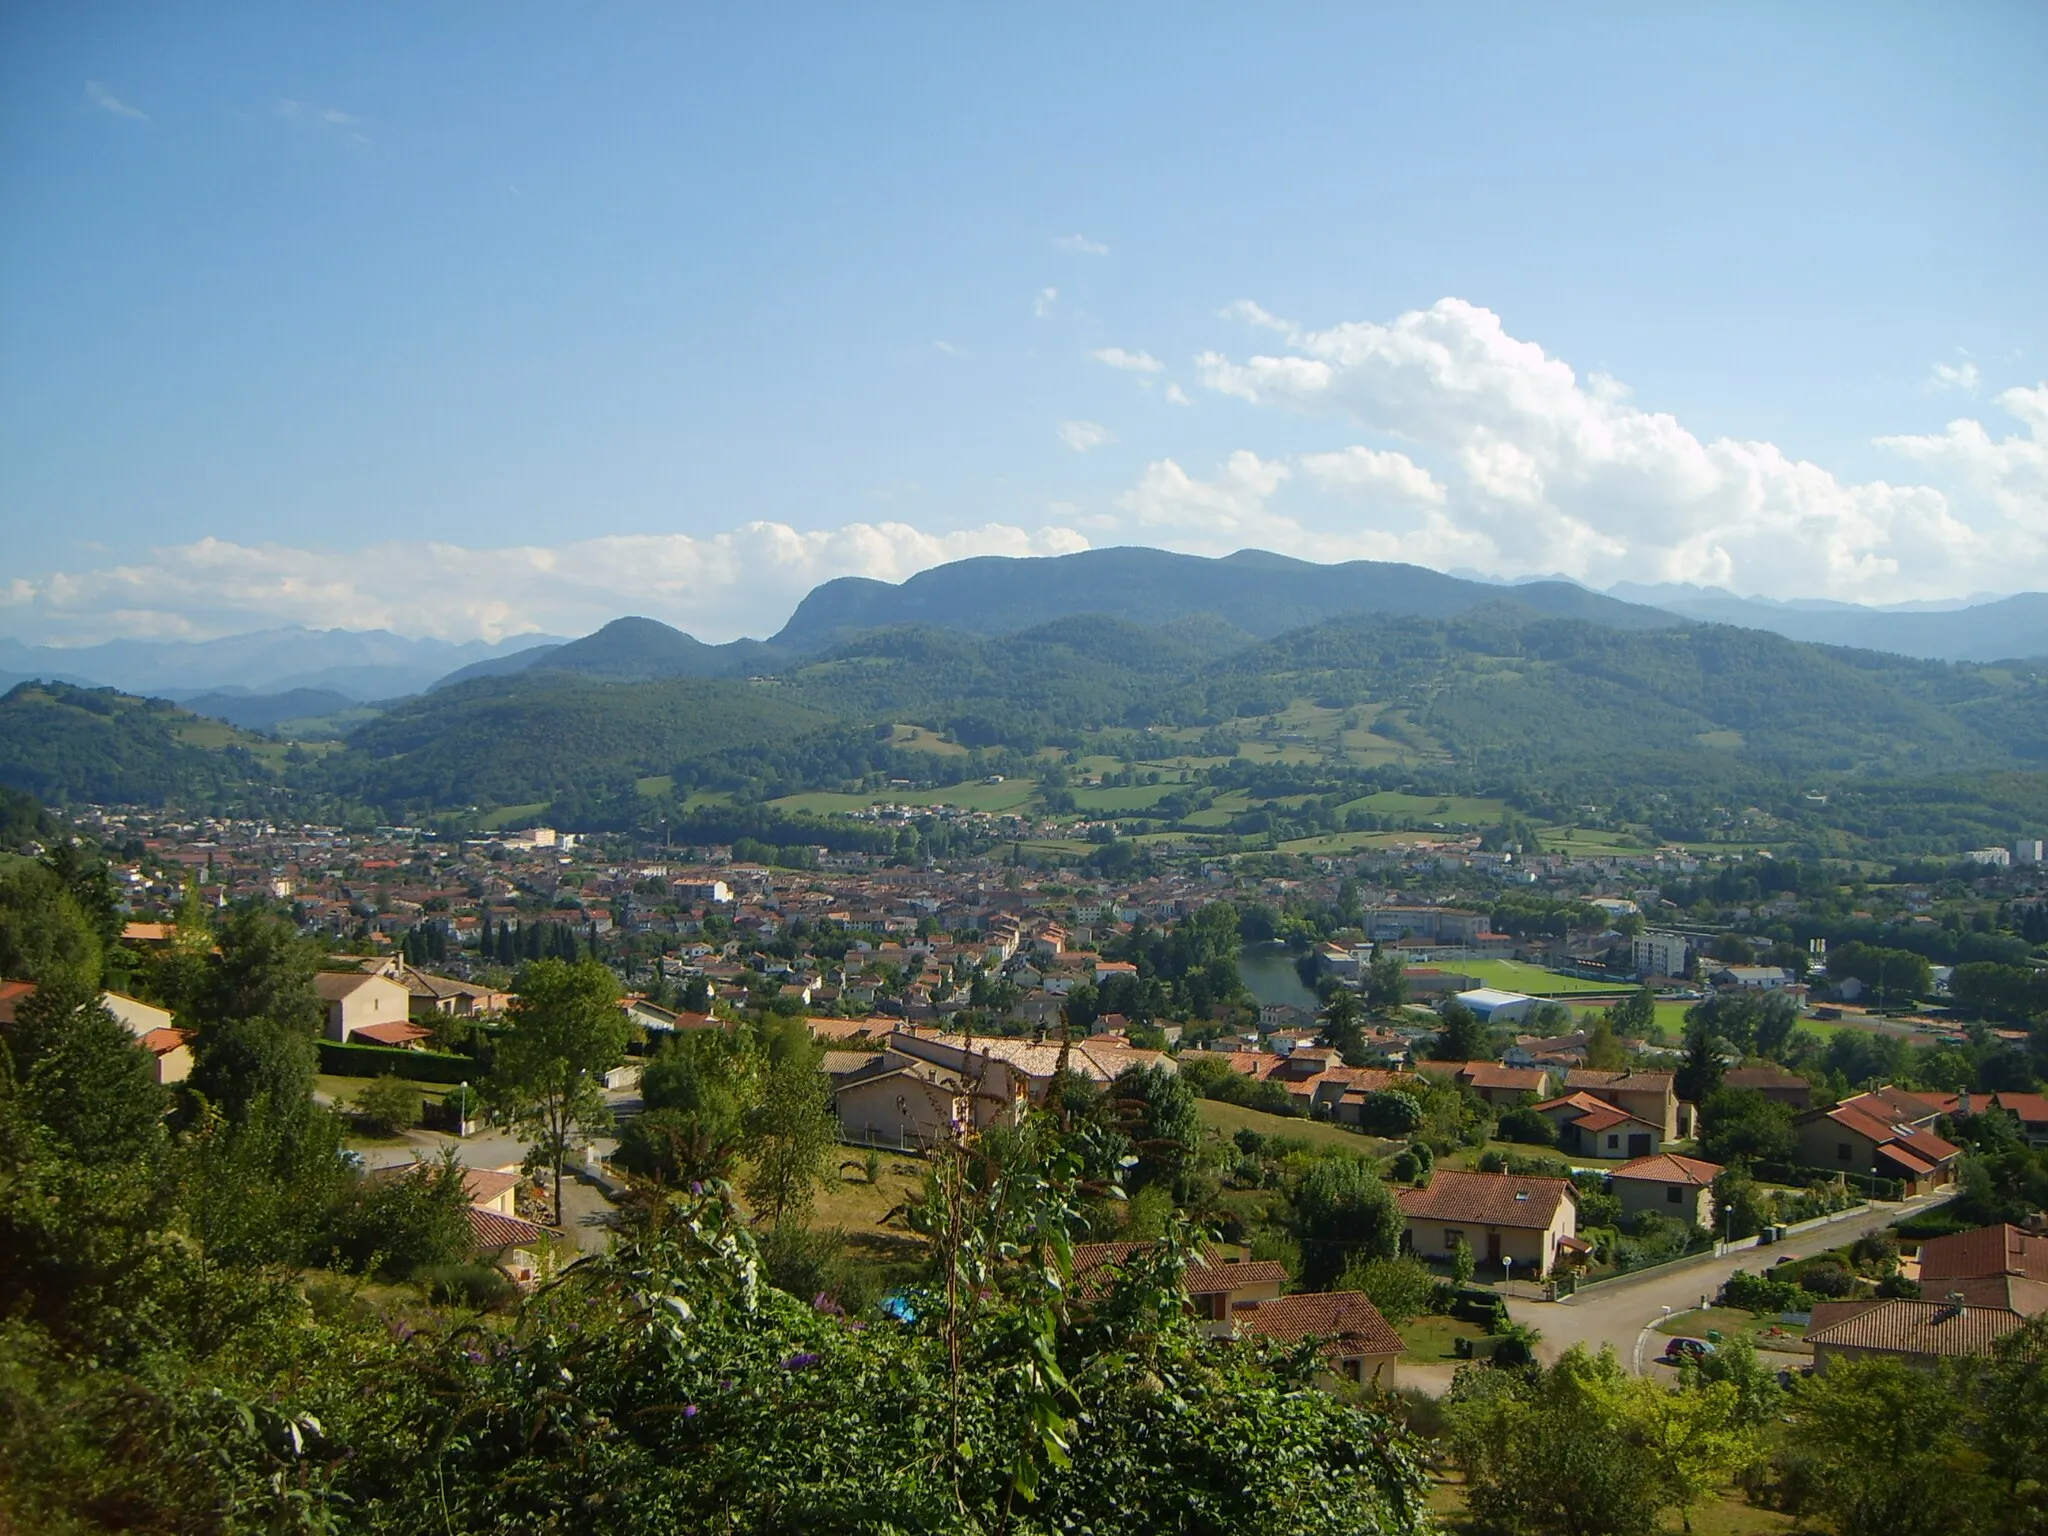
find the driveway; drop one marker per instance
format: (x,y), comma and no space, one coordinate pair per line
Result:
(1622,1313)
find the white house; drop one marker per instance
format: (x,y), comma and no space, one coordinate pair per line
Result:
(1493,1006)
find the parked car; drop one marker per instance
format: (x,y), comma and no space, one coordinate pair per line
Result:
(1678,1351)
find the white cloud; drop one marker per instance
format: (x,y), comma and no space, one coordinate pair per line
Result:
(1961,376)
(1083,435)
(948,348)
(1233,504)
(1082,244)
(1543,472)
(745,581)
(1129,362)
(1042,305)
(1375,473)
(1255,314)
(1177,395)
(106,99)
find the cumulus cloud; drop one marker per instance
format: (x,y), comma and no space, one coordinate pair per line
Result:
(1082,244)
(1128,362)
(1961,376)
(1542,471)
(745,581)
(1233,504)
(1374,471)
(1083,435)
(108,101)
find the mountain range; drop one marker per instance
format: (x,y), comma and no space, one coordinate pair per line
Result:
(1253,594)
(360,665)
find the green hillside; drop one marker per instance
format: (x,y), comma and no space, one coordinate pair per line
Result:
(65,745)
(540,735)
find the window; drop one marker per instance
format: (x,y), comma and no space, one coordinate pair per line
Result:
(1673,1195)
(1613,1142)
(1842,1151)
(1452,1237)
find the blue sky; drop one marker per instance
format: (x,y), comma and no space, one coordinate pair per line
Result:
(471,319)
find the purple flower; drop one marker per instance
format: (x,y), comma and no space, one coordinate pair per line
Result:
(823,1302)
(689,1410)
(801,1362)
(696,1187)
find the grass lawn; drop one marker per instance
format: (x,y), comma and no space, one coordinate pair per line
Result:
(1228,1119)
(915,738)
(1132,797)
(1732,1322)
(1468,1157)
(1431,1337)
(343,1090)
(1515,976)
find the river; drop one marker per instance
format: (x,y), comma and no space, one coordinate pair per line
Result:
(1268,971)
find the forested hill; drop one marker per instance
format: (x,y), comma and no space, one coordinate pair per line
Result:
(1261,593)
(1501,698)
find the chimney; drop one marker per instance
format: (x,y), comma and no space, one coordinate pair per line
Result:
(1963,1110)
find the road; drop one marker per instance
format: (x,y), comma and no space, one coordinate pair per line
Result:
(1621,1313)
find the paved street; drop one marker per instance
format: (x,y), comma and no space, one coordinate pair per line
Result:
(1621,1313)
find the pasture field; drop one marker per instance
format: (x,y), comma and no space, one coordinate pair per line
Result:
(1010,795)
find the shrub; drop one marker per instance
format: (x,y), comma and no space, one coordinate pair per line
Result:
(1400,1287)
(1523,1124)
(1391,1113)
(390,1105)
(1762,1294)
(476,1286)
(1825,1277)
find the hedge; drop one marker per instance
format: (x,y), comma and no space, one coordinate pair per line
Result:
(338,1060)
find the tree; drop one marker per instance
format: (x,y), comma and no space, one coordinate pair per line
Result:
(1462,1037)
(1895,975)
(1699,1074)
(44,936)
(1390,1112)
(1156,1111)
(1694,1439)
(1557,1452)
(89,1082)
(1463,1262)
(790,1136)
(564,1032)
(1386,988)
(262,970)
(1635,1015)
(1604,1052)
(1742,1125)
(1342,1211)
(1873,1445)
(1344,1028)
(697,1093)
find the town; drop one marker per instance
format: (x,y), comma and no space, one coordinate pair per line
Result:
(1431,1107)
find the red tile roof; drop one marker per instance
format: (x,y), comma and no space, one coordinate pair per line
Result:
(489,1232)
(1208,1272)
(393,1034)
(1348,1319)
(1494,1199)
(1919,1328)
(2003,1250)
(1669,1168)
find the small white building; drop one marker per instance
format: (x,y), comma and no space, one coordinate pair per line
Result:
(1493,1006)
(356,1002)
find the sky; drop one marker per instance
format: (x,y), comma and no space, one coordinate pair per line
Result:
(473,320)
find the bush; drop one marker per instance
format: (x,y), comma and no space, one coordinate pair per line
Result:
(1825,1277)
(1524,1125)
(476,1286)
(390,1105)
(1391,1113)
(1762,1294)
(1400,1287)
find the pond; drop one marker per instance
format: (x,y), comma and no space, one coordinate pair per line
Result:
(1268,971)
